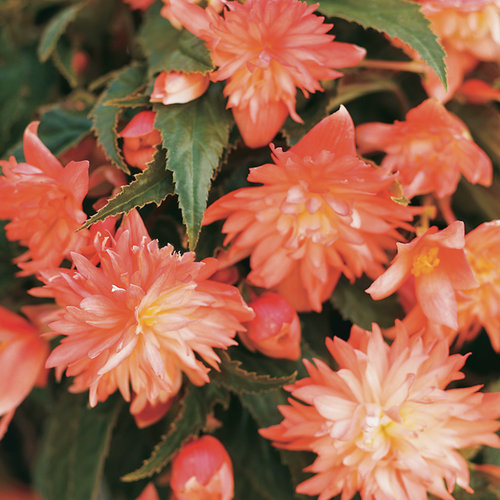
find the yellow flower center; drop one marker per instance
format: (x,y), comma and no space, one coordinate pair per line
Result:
(425,261)
(482,267)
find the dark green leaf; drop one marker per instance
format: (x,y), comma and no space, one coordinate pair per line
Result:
(63,61)
(105,118)
(235,377)
(397,18)
(170,49)
(355,305)
(55,28)
(151,186)
(197,404)
(73,449)
(195,134)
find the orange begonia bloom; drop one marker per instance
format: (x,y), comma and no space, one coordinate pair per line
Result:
(266,49)
(43,201)
(139,4)
(174,87)
(167,10)
(22,358)
(429,150)
(202,470)
(149,493)
(480,307)
(437,263)
(141,319)
(384,423)
(320,212)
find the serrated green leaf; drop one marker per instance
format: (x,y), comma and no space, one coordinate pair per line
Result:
(132,101)
(235,377)
(195,134)
(74,447)
(197,404)
(105,118)
(355,305)
(397,18)
(170,49)
(151,186)
(55,28)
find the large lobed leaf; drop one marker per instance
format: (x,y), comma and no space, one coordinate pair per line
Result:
(195,134)
(399,19)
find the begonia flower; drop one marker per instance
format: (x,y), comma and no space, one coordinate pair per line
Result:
(43,201)
(480,307)
(275,330)
(479,92)
(174,87)
(141,319)
(384,423)
(167,10)
(429,150)
(149,493)
(437,264)
(265,50)
(22,358)
(202,469)
(140,139)
(15,491)
(139,4)
(321,211)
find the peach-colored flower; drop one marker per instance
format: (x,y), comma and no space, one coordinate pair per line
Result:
(174,87)
(146,413)
(266,49)
(43,201)
(149,493)
(167,10)
(384,424)
(479,92)
(22,358)
(141,319)
(140,139)
(437,263)
(480,307)
(429,150)
(18,492)
(202,470)
(139,4)
(320,212)
(275,330)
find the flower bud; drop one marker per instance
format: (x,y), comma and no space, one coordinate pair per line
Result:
(140,139)
(202,470)
(275,330)
(149,493)
(139,4)
(174,87)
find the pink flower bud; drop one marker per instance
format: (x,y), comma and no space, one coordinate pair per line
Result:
(275,330)
(139,4)
(140,139)
(175,88)
(149,493)
(202,469)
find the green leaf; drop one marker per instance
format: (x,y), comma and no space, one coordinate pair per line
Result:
(55,28)
(74,446)
(235,377)
(63,61)
(355,305)
(151,186)
(195,134)
(105,118)
(170,49)
(397,18)
(470,199)
(197,404)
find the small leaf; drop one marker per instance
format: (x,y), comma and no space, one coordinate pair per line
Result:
(197,404)
(151,186)
(55,28)
(195,134)
(63,61)
(170,49)
(74,447)
(355,305)
(397,18)
(105,118)
(235,377)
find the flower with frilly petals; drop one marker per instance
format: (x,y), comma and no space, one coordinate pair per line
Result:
(437,263)
(265,50)
(202,469)
(141,319)
(43,201)
(384,424)
(321,211)
(167,9)
(174,87)
(480,307)
(140,139)
(22,358)
(429,150)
